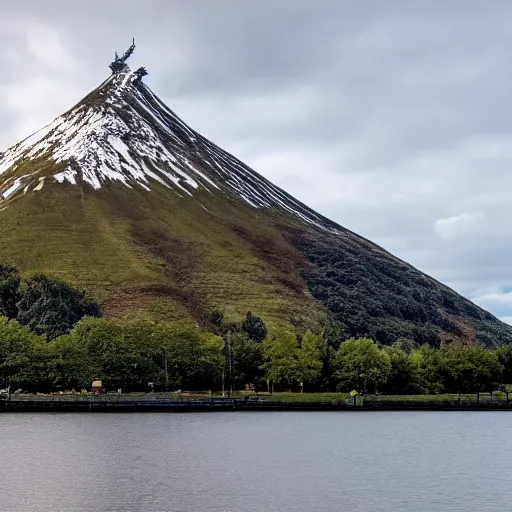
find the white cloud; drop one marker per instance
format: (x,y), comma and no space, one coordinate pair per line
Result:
(44,77)
(45,45)
(495,299)
(459,224)
(29,95)
(249,112)
(9,56)
(506,319)
(33,104)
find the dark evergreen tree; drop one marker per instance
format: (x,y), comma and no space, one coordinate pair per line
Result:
(51,307)
(217,321)
(254,327)
(9,291)
(504,354)
(247,359)
(404,377)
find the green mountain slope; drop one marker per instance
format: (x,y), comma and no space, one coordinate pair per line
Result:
(157,253)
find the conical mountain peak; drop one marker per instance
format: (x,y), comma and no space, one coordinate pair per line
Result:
(122,132)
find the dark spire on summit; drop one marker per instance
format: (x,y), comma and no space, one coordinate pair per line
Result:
(141,72)
(118,64)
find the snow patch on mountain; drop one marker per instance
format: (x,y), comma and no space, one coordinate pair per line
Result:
(40,185)
(123,132)
(69,176)
(11,189)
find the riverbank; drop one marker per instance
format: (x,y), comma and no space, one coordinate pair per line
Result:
(104,404)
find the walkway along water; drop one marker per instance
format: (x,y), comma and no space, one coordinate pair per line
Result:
(142,404)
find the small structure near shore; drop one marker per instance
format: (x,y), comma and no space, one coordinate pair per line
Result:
(96,386)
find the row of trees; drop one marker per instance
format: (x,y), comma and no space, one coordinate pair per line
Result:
(180,355)
(52,337)
(125,355)
(368,367)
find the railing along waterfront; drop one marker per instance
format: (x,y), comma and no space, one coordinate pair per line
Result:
(153,402)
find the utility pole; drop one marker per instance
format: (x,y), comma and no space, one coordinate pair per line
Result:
(230,361)
(228,365)
(166,370)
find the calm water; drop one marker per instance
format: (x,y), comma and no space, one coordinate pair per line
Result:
(256,462)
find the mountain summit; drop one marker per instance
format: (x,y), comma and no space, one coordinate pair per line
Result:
(121,196)
(122,132)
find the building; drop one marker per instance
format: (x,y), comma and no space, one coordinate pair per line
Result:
(96,387)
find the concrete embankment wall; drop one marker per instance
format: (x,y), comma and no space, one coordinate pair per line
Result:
(14,405)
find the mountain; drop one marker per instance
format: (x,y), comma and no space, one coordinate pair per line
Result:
(122,197)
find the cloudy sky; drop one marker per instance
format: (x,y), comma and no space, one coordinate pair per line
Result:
(392,118)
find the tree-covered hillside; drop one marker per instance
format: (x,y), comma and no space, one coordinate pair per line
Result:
(371,293)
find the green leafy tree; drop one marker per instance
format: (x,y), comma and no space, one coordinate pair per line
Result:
(406,345)
(281,356)
(504,354)
(211,361)
(312,353)
(335,332)
(470,369)
(254,327)
(247,359)
(188,353)
(328,381)
(129,355)
(217,321)
(19,355)
(429,363)
(9,291)
(404,377)
(74,367)
(108,353)
(147,356)
(360,365)
(51,307)
(45,368)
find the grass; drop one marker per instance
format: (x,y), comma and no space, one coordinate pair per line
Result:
(158,254)
(340,397)
(307,397)
(424,398)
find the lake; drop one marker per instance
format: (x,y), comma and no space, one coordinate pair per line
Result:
(256,462)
